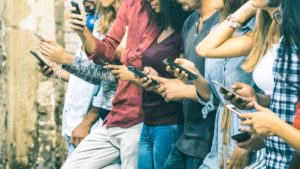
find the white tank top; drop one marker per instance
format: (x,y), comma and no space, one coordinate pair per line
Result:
(263,72)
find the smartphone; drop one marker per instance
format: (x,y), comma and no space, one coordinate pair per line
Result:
(191,75)
(76,6)
(39,37)
(229,91)
(103,62)
(233,109)
(241,137)
(41,61)
(140,74)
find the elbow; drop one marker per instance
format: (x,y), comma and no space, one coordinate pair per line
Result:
(201,51)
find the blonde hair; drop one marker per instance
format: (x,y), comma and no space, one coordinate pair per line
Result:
(266,30)
(107,15)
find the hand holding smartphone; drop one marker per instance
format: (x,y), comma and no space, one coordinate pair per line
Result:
(241,137)
(243,99)
(140,74)
(40,60)
(191,76)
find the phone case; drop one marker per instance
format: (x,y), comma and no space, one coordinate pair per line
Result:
(192,76)
(75,4)
(241,137)
(41,61)
(141,74)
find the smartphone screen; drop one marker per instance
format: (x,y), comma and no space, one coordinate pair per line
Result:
(191,75)
(229,91)
(233,109)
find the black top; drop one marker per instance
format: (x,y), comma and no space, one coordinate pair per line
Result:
(156,110)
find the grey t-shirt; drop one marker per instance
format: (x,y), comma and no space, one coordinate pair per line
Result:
(196,139)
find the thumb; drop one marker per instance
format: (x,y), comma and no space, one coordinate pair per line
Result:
(257,106)
(147,70)
(72,139)
(157,78)
(237,85)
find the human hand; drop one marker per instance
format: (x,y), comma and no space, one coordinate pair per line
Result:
(239,159)
(55,53)
(182,75)
(263,123)
(146,82)
(243,90)
(170,89)
(79,133)
(77,22)
(254,143)
(121,72)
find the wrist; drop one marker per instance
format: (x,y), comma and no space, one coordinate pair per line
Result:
(68,59)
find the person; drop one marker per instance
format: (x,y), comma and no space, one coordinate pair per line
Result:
(163,121)
(263,46)
(81,110)
(192,145)
(219,69)
(120,134)
(265,122)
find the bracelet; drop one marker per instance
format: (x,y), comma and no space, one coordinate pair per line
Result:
(234,23)
(59,72)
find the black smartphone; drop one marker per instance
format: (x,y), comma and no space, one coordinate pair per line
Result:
(243,99)
(103,62)
(140,74)
(76,6)
(41,61)
(241,137)
(171,63)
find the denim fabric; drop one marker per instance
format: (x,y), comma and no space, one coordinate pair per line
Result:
(70,147)
(179,160)
(155,145)
(225,71)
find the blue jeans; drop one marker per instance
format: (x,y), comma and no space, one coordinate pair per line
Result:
(179,160)
(70,146)
(155,145)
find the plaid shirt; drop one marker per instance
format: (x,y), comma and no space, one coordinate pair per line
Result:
(283,101)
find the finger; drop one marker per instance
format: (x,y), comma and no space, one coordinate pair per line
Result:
(161,89)
(258,107)
(76,27)
(157,78)
(147,70)
(237,86)
(247,116)
(115,72)
(246,122)
(112,66)
(74,16)
(73,139)
(169,68)
(248,130)
(164,94)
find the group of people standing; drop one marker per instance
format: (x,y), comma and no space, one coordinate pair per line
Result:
(114,119)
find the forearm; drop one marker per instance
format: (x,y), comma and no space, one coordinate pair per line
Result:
(220,42)
(88,41)
(202,88)
(90,72)
(263,100)
(92,116)
(288,133)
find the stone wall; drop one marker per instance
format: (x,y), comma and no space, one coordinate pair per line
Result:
(30,104)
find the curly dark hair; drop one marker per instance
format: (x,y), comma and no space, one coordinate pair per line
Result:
(171,14)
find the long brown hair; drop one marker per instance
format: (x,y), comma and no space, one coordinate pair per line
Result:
(266,30)
(107,15)
(230,6)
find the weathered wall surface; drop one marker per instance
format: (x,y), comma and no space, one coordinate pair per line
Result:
(30,104)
